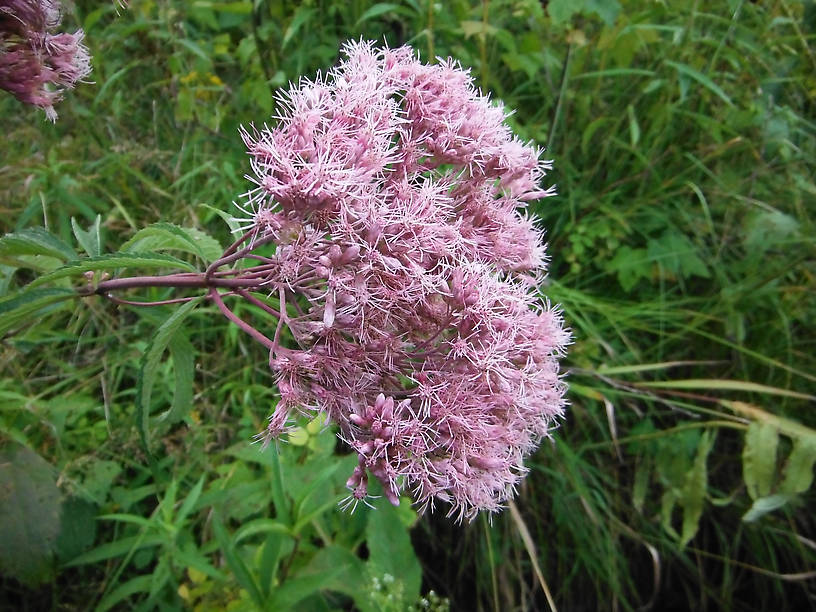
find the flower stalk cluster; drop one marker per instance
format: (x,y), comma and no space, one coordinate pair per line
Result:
(37,65)
(386,235)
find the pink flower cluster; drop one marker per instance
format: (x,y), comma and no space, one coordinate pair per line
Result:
(35,65)
(406,276)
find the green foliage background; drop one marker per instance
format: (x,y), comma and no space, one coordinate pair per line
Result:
(682,249)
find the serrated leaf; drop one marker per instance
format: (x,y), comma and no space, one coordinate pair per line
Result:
(20,307)
(799,468)
(111,262)
(35,241)
(91,239)
(759,458)
(763,506)
(181,352)
(162,235)
(149,366)
(694,489)
(29,515)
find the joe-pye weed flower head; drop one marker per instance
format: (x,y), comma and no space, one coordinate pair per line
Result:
(37,65)
(407,273)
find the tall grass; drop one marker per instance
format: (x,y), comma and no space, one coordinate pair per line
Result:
(682,252)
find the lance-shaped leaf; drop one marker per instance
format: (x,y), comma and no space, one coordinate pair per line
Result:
(759,458)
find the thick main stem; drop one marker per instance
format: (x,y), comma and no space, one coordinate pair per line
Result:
(181,281)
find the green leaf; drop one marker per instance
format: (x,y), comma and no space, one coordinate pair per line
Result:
(238,567)
(642,472)
(678,255)
(764,505)
(631,265)
(390,549)
(113,261)
(351,577)
(561,11)
(799,468)
(90,240)
(21,307)
(189,502)
(77,528)
(702,79)
(477,28)
(35,241)
(117,548)
(302,16)
(181,352)
(376,10)
(236,8)
(298,588)
(149,366)
(759,458)
(161,236)
(29,514)
(261,525)
(607,10)
(694,489)
(139,584)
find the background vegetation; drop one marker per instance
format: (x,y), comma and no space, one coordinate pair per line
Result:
(682,249)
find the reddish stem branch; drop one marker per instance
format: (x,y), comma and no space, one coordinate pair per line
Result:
(216,297)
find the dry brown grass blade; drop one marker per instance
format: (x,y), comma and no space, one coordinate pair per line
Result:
(529,545)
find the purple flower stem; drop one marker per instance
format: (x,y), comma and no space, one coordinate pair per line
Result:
(181,281)
(216,297)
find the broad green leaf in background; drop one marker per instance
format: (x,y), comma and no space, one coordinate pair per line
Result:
(631,265)
(675,253)
(77,529)
(29,514)
(561,11)
(390,549)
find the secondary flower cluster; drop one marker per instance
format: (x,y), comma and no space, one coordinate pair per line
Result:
(406,276)
(37,66)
